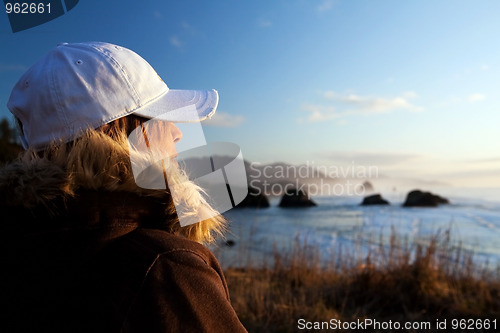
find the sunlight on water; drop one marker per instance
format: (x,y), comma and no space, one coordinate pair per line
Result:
(342,221)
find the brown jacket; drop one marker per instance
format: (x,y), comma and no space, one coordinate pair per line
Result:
(100,262)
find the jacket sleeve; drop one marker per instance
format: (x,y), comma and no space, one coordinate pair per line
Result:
(183,291)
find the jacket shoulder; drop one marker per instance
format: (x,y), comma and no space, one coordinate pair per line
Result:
(154,242)
(183,288)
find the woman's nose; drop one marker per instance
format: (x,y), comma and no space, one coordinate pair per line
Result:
(176,133)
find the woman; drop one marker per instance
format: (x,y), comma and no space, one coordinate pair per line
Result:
(85,249)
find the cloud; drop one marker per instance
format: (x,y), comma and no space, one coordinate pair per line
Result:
(320,112)
(174,40)
(485,67)
(472,174)
(188,28)
(157,15)
(12,68)
(221,119)
(368,158)
(324,6)
(410,94)
(336,105)
(264,23)
(371,104)
(495,159)
(184,35)
(476,97)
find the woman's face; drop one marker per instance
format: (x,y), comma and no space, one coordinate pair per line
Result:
(172,136)
(161,137)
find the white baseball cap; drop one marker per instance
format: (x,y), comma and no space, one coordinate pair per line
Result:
(86,85)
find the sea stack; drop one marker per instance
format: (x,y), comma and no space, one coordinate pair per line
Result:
(417,198)
(368,186)
(296,198)
(375,199)
(254,199)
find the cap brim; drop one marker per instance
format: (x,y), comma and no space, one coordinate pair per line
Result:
(182,106)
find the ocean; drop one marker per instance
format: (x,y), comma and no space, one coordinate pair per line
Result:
(341,223)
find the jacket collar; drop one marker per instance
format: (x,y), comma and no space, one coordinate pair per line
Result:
(37,193)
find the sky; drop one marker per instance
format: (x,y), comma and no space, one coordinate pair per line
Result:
(407,86)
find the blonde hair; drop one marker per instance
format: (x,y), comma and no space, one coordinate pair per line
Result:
(100,159)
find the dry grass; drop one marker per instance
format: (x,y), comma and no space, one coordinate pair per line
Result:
(421,282)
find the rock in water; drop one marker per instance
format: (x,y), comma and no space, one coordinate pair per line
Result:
(296,198)
(254,199)
(418,198)
(375,199)
(368,186)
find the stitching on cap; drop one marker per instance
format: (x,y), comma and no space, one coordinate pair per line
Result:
(55,92)
(120,68)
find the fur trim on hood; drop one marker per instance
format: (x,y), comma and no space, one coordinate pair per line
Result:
(33,184)
(96,162)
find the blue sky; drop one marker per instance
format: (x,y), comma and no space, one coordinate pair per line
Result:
(408,86)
